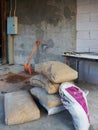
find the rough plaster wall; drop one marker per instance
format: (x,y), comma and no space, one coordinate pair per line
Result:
(51,21)
(87,37)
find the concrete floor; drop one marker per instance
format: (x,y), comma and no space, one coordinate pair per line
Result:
(61,121)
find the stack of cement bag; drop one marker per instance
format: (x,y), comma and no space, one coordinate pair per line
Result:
(47,82)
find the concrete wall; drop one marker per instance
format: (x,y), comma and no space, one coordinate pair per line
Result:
(51,21)
(87,36)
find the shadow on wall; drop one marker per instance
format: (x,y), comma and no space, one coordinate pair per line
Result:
(42,53)
(46,45)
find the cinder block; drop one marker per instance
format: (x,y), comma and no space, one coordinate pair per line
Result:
(93,1)
(83,26)
(94,17)
(82,2)
(92,43)
(94,8)
(87,45)
(84,9)
(83,35)
(87,7)
(94,35)
(87,26)
(83,17)
(93,26)
(82,45)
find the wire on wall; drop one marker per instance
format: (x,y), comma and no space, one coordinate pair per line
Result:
(10,7)
(15,9)
(11,4)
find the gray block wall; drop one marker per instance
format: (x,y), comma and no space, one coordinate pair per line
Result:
(87,37)
(53,22)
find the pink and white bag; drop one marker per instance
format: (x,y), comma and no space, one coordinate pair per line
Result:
(74,100)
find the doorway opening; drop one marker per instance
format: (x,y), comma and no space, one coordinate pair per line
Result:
(3,44)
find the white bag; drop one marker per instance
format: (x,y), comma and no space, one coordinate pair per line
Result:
(74,100)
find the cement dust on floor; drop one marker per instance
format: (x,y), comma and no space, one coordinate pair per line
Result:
(61,121)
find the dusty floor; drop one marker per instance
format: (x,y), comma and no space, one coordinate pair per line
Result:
(61,121)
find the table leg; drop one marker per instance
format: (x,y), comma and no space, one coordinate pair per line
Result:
(77,68)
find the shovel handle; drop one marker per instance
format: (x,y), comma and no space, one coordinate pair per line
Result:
(37,43)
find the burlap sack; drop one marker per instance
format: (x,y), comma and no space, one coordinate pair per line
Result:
(44,97)
(56,72)
(20,108)
(42,81)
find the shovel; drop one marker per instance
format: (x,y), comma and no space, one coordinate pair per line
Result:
(27,66)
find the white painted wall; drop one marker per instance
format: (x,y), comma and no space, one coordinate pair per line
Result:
(87,36)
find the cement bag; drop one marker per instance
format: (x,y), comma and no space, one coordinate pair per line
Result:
(56,72)
(74,100)
(20,108)
(47,99)
(52,110)
(43,82)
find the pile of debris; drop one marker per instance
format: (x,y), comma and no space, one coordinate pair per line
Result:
(20,106)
